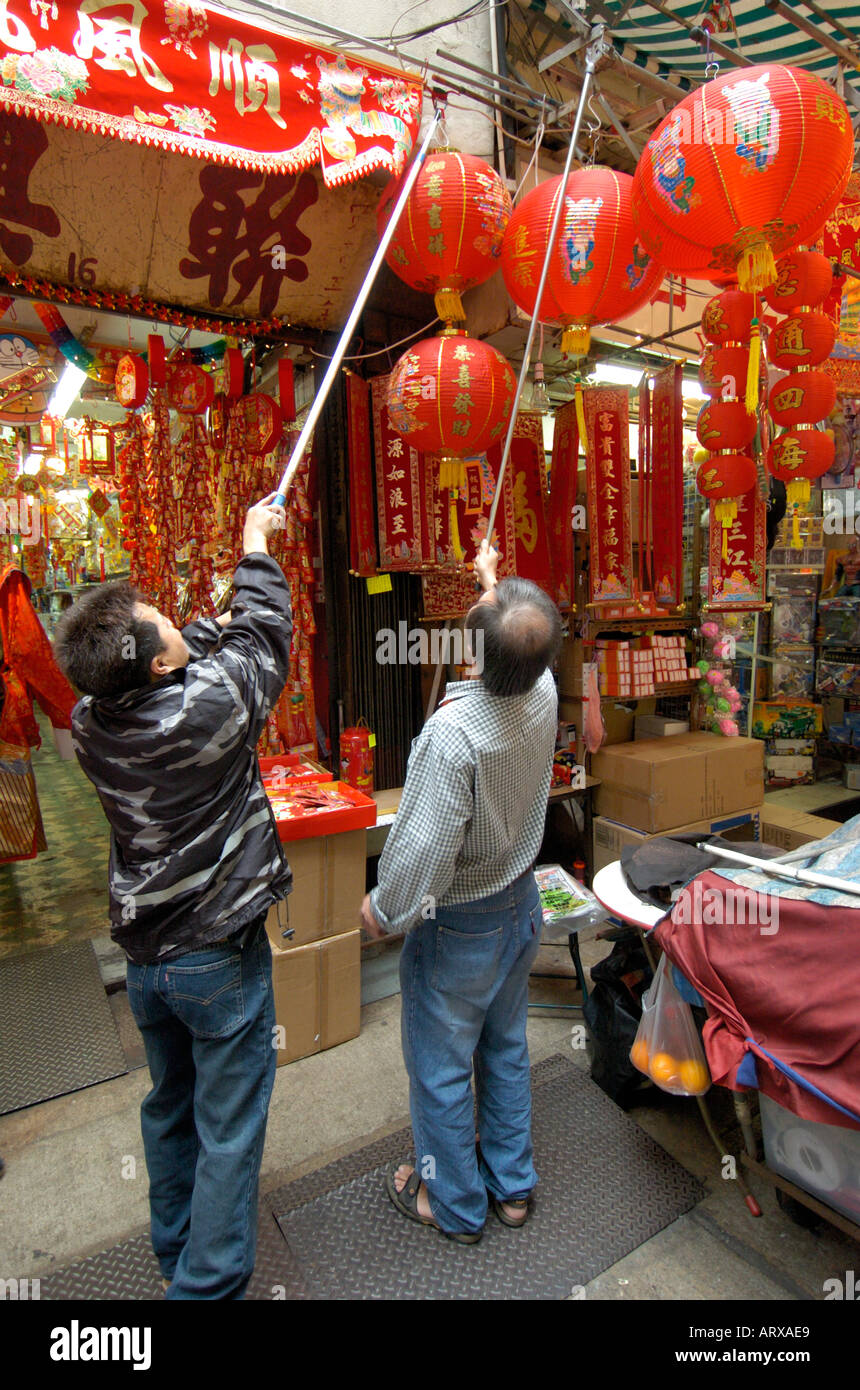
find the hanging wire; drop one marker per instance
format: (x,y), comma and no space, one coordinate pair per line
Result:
(361,356)
(538,141)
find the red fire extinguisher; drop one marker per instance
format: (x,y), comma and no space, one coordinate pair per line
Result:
(356,757)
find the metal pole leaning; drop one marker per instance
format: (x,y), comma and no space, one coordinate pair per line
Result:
(593,53)
(319,399)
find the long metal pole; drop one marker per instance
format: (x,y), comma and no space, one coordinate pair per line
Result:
(781,870)
(334,366)
(591,56)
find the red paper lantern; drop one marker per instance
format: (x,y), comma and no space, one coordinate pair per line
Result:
(804,278)
(744,168)
(190,390)
(262,421)
(450,232)
(723,372)
(801,340)
(131,382)
(727,317)
(796,457)
(451,395)
(725,476)
(599,272)
(802,398)
(725,425)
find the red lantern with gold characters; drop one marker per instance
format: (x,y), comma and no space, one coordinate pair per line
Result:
(727,317)
(744,168)
(804,339)
(723,479)
(599,271)
(796,457)
(725,425)
(802,398)
(450,232)
(131,382)
(802,278)
(723,371)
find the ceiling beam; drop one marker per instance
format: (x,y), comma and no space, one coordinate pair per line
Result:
(697,33)
(807,27)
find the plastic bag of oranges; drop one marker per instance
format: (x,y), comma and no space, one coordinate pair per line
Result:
(667,1047)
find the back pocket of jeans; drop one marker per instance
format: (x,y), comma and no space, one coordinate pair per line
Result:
(467,963)
(208,999)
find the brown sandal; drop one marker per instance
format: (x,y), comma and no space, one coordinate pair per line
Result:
(521,1203)
(406,1202)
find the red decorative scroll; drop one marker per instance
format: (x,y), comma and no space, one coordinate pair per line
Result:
(527,467)
(607,431)
(667,487)
(738,581)
(562,499)
(200,82)
(362,538)
(840,241)
(402,519)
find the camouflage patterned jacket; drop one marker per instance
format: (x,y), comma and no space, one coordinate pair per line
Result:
(195,854)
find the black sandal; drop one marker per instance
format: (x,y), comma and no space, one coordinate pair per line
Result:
(406,1202)
(519,1202)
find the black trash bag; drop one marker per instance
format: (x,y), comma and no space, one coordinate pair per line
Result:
(612,1013)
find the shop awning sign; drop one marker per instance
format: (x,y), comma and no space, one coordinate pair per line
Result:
(195,80)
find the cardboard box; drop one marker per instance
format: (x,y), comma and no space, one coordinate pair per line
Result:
(659,726)
(789,829)
(317,994)
(655,784)
(329,873)
(608,838)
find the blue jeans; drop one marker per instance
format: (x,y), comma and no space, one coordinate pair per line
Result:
(207,1021)
(464,982)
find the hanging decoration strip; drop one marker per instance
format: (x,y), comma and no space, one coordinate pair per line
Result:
(562,499)
(362,537)
(64,339)
(736,571)
(198,82)
(607,425)
(666,474)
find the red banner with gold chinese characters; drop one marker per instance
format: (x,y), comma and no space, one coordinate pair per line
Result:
(197,81)
(402,517)
(607,430)
(562,499)
(362,535)
(737,580)
(840,242)
(667,487)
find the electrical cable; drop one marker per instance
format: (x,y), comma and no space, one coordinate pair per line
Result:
(362,356)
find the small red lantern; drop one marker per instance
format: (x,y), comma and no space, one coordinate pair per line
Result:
(801,340)
(451,395)
(804,278)
(723,371)
(796,457)
(744,168)
(725,476)
(727,318)
(598,273)
(802,398)
(261,417)
(725,425)
(131,382)
(449,236)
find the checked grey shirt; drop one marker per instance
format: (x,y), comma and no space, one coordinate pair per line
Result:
(471,818)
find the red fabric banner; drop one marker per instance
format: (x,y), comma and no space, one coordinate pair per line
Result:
(402,515)
(667,487)
(362,536)
(607,429)
(738,580)
(198,81)
(562,499)
(840,241)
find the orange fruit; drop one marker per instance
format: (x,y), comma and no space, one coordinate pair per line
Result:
(694,1077)
(639,1054)
(662,1068)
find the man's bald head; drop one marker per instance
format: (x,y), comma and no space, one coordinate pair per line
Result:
(520,636)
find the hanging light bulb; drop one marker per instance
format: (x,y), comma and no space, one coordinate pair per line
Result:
(540,400)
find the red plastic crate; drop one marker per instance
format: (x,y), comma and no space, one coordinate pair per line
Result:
(295,769)
(360,814)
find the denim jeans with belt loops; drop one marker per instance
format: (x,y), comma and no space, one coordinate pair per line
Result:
(464,982)
(207,1020)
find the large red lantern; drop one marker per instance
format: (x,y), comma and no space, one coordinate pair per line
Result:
(803,278)
(725,425)
(451,395)
(723,371)
(744,168)
(802,398)
(598,272)
(727,317)
(450,232)
(802,340)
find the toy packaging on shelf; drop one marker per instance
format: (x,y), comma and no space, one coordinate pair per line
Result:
(838,678)
(566,904)
(667,1047)
(792,672)
(839,622)
(792,619)
(785,719)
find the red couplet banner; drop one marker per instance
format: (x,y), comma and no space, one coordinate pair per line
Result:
(667,486)
(736,580)
(607,431)
(362,536)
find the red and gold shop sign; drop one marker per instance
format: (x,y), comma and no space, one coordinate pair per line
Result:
(736,579)
(362,538)
(667,486)
(607,430)
(840,241)
(194,80)
(403,524)
(562,499)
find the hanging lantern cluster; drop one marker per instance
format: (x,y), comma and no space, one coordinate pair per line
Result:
(449,237)
(725,426)
(743,169)
(804,396)
(599,271)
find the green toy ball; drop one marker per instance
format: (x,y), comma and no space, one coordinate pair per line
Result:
(723,706)
(705,688)
(703,666)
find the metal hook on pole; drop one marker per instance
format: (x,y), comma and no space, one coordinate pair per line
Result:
(319,400)
(596,49)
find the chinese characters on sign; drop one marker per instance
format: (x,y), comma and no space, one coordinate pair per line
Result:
(607,431)
(562,499)
(666,487)
(362,538)
(737,580)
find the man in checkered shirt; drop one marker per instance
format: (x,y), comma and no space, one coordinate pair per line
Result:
(456,877)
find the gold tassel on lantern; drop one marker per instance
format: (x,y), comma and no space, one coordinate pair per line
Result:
(455,530)
(725,513)
(797,494)
(449,305)
(576,340)
(452,473)
(580,416)
(754,364)
(756,267)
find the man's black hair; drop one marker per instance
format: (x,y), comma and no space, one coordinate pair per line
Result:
(101,644)
(521,633)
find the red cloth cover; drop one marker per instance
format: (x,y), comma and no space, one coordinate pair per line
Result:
(794,990)
(28,668)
